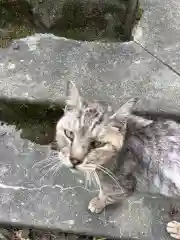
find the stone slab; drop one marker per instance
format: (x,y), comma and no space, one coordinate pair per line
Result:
(38,68)
(31,196)
(159,30)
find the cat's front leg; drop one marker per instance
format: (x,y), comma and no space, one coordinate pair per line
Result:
(173,228)
(98,203)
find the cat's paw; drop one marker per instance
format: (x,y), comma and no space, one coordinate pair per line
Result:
(96,205)
(173,228)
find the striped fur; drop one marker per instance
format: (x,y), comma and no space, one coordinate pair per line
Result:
(119,151)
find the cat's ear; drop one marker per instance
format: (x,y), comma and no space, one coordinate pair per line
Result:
(125,110)
(120,117)
(73,98)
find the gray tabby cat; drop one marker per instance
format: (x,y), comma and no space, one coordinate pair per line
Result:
(118,149)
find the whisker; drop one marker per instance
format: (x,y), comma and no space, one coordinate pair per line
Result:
(108,171)
(44,161)
(90,179)
(87,179)
(96,177)
(40,162)
(44,175)
(47,165)
(94,181)
(89,167)
(51,169)
(87,176)
(90,175)
(47,159)
(110,174)
(54,168)
(58,166)
(51,160)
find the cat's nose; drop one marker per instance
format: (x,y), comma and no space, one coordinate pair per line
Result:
(75,161)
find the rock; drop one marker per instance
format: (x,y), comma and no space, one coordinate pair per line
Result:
(16,21)
(37,71)
(29,234)
(80,20)
(87,19)
(31,194)
(41,67)
(158,31)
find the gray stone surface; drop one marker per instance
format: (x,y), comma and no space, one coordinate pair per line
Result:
(159,30)
(39,70)
(112,72)
(30,195)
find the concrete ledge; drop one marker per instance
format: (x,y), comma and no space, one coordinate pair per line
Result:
(159,31)
(37,70)
(113,72)
(60,202)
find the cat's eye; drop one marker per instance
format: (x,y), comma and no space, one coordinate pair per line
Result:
(69,134)
(97,144)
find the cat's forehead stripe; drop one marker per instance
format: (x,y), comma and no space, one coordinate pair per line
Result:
(91,117)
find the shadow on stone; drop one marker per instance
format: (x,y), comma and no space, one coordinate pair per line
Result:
(80,20)
(16,21)
(87,21)
(96,20)
(36,120)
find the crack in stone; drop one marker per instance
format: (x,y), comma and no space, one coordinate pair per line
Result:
(44,186)
(157,58)
(35,188)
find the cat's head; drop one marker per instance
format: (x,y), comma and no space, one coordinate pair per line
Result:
(90,133)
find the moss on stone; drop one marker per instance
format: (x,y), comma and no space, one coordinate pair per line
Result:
(139,14)
(16,21)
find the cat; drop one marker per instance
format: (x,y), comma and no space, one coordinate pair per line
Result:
(117,149)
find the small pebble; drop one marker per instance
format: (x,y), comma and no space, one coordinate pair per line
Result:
(16,46)
(2,132)
(80,181)
(11,66)
(88,220)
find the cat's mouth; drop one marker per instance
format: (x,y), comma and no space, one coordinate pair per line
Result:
(85,169)
(84,166)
